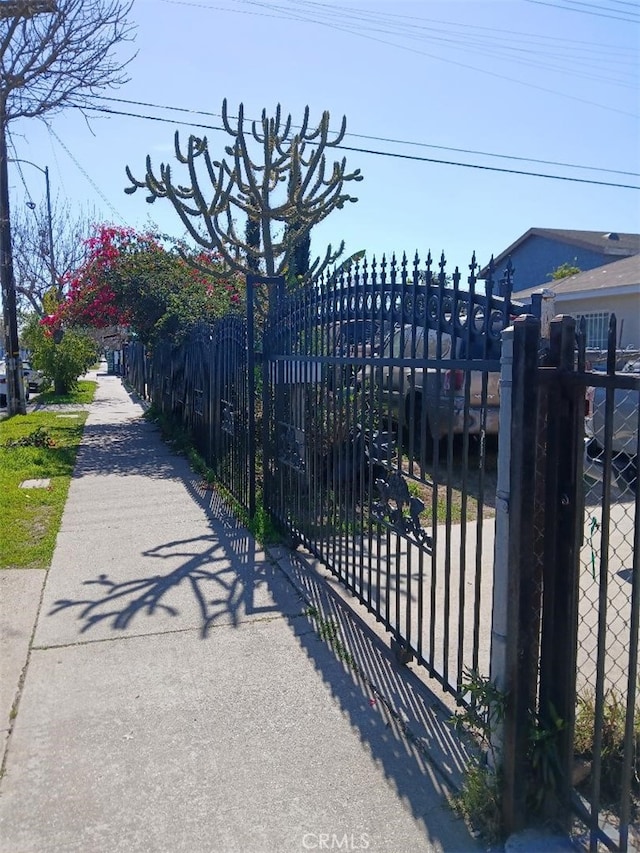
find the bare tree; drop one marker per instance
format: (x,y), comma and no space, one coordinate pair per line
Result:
(53,53)
(52,59)
(288,182)
(35,275)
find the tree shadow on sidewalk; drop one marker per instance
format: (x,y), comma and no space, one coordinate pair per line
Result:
(222,578)
(223,573)
(131,449)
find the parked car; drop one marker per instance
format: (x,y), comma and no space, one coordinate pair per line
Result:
(434,400)
(624,437)
(35,378)
(4,390)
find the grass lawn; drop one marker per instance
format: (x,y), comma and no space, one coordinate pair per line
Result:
(37,446)
(83,394)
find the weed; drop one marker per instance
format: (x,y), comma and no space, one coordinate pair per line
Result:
(328,631)
(543,760)
(485,712)
(262,526)
(612,750)
(40,437)
(479,800)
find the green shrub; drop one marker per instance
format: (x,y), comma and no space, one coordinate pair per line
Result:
(64,362)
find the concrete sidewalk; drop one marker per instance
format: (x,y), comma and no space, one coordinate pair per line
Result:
(171,690)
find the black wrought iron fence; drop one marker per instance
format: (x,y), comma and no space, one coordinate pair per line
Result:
(381,417)
(204,385)
(378,400)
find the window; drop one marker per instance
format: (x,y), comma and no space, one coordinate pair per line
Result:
(597,328)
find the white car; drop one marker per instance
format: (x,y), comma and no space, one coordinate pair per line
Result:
(3,388)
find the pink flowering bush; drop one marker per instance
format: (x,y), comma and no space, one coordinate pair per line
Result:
(131,279)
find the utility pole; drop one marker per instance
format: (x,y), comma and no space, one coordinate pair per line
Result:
(16,403)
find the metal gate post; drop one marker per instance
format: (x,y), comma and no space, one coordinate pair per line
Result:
(522,605)
(501,554)
(275,286)
(563,526)
(251,390)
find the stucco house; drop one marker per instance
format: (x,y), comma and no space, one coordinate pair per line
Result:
(596,294)
(540,251)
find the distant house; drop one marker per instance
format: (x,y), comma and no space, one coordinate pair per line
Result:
(540,251)
(596,294)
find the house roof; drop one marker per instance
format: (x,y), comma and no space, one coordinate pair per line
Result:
(622,273)
(608,242)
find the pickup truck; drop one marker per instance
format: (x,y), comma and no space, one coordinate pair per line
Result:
(624,440)
(431,401)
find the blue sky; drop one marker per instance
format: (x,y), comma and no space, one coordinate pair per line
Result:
(549,81)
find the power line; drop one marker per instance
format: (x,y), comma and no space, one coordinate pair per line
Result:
(585,11)
(438,26)
(93,184)
(492,168)
(595,6)
(19,167)
(390,140)
(396,155)
(360,32)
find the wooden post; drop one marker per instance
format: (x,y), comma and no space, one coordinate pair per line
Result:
(563,526)
(523,594)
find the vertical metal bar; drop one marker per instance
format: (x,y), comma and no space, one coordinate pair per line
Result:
(311,400)
(352,439)
(325,337)
(432,293)
(409,298)
(377,396)
(387,550)
(251,392)
(209,398)
(482,458)
(462,558)
(339,502)
(632,681)
(398,568)
(372,424)
(415,452)
(366,436)
(596,768)
(309,377)
(446,616)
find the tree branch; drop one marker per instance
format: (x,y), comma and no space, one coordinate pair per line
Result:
(251,186)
